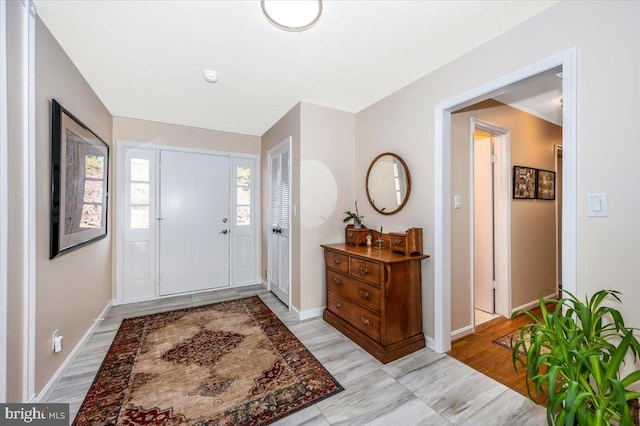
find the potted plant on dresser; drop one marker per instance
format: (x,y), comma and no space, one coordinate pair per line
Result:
(355,216)
(574,356)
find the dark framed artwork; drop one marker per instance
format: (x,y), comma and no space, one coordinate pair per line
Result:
(524,182)
(79,183)
(546,189)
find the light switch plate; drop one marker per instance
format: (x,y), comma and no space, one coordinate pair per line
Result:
(597,205)
(456,201)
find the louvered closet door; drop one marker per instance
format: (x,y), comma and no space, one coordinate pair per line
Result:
(279,220)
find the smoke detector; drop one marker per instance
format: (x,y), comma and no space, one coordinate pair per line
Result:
(211,76)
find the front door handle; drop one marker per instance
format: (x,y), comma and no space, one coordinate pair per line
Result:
(226,231)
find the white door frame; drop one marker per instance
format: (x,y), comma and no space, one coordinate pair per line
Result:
(29,191)
(502,216)
(4,210)
(442,181)
(121,145)
(556,150)
(286,142)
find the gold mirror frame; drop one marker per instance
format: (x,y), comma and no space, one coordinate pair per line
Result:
(408,190)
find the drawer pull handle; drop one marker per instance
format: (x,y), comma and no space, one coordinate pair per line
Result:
(351,234)
(363,270)
(364,320)
(338,305)
(336,260)
(337,281)
(397,241)
(364,294)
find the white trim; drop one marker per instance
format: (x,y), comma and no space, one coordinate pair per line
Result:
(461,332)
(431,344)
(556,150)
(4,210)
(534,303)
(46,391)
(442,167)
(308,314)
(29,191)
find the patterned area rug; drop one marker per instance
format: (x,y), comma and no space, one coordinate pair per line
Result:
(229,363)
(505,341)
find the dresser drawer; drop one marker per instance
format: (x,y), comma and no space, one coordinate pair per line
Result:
(337,261)
(357,316)
(359,292)
(365,270)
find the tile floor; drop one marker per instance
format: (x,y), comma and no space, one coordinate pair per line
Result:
(424,388)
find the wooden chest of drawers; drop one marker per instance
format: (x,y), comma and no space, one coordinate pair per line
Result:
(374,297)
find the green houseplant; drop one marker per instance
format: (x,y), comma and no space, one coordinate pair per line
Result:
(574,353)
(355,216)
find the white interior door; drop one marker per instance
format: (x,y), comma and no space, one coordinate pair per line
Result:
(279,220)
(483,254)
(194,228)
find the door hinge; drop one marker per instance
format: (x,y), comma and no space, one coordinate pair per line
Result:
(494,159)
(494,285)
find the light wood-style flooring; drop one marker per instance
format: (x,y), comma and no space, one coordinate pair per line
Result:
(480,353)
(423,388)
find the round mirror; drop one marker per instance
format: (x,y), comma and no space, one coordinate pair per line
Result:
(388,183)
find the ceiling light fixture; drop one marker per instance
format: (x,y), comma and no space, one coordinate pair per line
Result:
(294,16)
(211,76)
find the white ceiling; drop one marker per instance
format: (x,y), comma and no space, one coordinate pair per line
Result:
(541,97)
(145,59)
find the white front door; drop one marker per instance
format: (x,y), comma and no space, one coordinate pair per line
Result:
(483,251)
(279,220)
(194,225)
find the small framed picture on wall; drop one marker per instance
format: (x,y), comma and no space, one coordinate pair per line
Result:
(524,182)
(546,185)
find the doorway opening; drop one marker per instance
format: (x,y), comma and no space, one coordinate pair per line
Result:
(565,63)
(491,284)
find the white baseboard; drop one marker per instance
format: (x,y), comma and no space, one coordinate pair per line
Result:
(461,332)
(51,384)
(431,343)
(308,314)
(534,303)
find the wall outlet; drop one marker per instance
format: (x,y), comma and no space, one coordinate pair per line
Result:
(54,336)
(56,341)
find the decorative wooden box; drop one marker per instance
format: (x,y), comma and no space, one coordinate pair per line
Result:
(356,236)
(408,243)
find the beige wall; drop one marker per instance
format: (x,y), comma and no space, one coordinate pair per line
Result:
(402,124)
(326,190)
(73,289)
(16,219)
(322,188)
(142,131)
(533,227)
(605,35)
(288,125)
